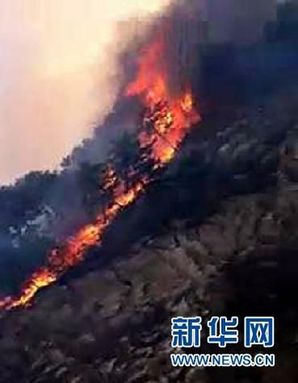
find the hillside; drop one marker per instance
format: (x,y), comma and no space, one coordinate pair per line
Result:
(193,210)
(111,322)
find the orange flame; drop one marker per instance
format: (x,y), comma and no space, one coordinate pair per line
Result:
(170,116)
(73,251)
(166,122)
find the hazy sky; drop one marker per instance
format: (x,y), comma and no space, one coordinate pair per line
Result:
(57,75)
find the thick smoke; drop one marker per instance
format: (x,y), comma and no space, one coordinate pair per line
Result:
(56,80)
(238,21)
(186,28)
(191,31)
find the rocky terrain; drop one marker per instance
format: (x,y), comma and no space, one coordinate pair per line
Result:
(214,234)
(111,323)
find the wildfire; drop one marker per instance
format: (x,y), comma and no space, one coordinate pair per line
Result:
(168,117)
(166,122)
(73,251)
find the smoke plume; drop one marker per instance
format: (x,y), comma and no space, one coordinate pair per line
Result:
(59,70)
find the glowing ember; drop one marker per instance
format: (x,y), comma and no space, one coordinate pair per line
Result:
(110,178)
(166,122)
(41,278)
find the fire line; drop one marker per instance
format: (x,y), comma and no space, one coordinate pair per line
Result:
(170,119)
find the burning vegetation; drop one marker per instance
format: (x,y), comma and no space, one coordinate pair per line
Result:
(166,121)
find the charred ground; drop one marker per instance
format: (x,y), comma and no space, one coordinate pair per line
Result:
(216,233)
(110,321)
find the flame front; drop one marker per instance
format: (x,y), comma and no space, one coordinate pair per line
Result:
(169,115)
(166,122)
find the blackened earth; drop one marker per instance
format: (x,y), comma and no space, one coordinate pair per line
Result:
(216,235)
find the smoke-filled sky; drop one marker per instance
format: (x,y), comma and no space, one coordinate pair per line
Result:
(58,75)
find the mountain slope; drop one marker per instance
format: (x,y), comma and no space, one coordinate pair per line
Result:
(113,323)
